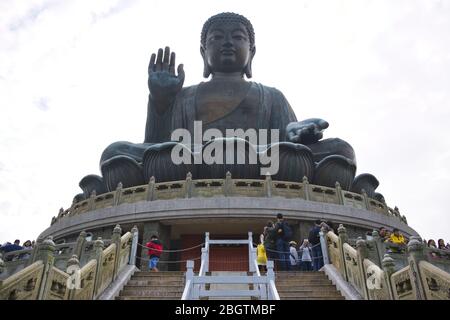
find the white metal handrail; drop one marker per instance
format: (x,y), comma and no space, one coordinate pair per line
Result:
(195,284)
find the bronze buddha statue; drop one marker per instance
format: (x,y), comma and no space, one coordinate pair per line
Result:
(226,101)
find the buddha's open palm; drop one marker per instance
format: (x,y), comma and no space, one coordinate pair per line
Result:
(162,81)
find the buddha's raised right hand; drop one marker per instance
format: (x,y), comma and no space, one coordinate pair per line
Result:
(163,84)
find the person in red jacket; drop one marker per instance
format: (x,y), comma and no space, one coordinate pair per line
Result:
(155,248)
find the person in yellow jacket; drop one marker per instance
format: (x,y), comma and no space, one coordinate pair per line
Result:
(261,257)
(397,237)
(399,240)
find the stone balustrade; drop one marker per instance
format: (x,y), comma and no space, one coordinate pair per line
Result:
(55,272)
(228,187)
(419,273)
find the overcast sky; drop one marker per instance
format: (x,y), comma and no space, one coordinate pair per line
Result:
(73,78)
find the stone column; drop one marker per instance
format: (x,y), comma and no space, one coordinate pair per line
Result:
(2,264)
(306,187)
(74,270)
(151,192)
(323,244)
(99,245)
(117,232)
(340,196)
(134,245)
(343,238)
(118,194)
(268,186)
(415,254)
(80,244)
(163,234)
(361,247)
(388,268)
(376,243)
(46,254)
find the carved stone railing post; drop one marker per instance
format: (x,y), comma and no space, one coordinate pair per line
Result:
(268,186)
(361,248)
(366,199)
(339,194)
(306,187)
(117,233)
(81,240)
(343,238)
(98,248)
(2,264)
(228,185)
(377,241)
(73,269)
(188,186)
(46,254)
(388,266)
(91,202)
(323,245)
(151,190)
(415,254)
(134,245)
(118,194)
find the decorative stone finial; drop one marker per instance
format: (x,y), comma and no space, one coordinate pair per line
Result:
(415,244)
(93,193)
(99,243)
(73,261)
(360,242)
(82,234)
(117,229)
(189,176)
(48,242)
(228,175)
(119,186)
(152,179)
(337,185)
(305,179)
(387,261)
(375,234)
(342,229)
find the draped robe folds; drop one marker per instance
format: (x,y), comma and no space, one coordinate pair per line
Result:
(262,108)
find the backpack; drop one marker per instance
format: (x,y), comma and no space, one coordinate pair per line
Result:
(287,231)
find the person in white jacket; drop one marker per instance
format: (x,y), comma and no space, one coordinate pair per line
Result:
(305,249)
(293,256)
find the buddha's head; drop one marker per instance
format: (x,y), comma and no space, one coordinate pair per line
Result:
(227,45)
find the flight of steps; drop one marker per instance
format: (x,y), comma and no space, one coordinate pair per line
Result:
(305,286)
(163,285)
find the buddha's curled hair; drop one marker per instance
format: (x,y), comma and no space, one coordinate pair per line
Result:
(228,17)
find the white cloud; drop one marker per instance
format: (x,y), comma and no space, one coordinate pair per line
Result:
(73,80)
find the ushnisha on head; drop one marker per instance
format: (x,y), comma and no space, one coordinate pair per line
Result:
(227,45)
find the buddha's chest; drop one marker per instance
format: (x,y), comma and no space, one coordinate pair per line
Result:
(227,105)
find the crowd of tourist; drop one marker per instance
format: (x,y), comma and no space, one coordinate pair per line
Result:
(277,244)
(15,246)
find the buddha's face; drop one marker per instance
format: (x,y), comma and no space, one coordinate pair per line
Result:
(227,48)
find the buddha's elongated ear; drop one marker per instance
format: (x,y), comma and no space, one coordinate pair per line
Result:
(206,69)
(248,67)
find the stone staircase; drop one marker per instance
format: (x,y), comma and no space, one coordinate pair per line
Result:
(163,285)
(306,286)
